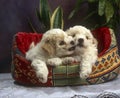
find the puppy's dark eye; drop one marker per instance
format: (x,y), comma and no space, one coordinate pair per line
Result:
(87,37)
(73,35)
(62,43)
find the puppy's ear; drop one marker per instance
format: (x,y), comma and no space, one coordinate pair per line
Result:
(32,45)
(49,47)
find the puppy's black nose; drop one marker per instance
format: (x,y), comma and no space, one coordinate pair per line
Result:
(80,40)
(72,43)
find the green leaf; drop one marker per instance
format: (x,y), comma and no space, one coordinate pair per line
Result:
(89,15)
(72,14)
(77,7)
(31,25)
(57,18)
(109,11)
(117,2)
(92,1)
(101,7)
(45,13)
(38,15)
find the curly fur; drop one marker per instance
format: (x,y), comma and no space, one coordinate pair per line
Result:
(55,43)
(86,48)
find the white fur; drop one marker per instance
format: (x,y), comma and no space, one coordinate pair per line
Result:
(86,49)
(54,61)
(55,43)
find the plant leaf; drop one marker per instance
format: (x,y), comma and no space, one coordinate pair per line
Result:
(71,14)
(101,7)
(92,1)
(31,25)
(109,11)
(38,15)
(117,2)
(77,7)
(57,18)
(45,13)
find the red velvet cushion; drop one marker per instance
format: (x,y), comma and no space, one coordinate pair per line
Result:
(24,40)
(104,39)
(102,34)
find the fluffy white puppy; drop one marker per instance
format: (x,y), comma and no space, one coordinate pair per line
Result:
(55,43)
(86,49)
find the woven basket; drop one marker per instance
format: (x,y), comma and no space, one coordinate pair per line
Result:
(105,69)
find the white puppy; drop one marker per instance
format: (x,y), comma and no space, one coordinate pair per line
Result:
(86,49)
(55,43)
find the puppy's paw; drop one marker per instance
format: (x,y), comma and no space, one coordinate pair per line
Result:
(42,76)
(54,62)
(85,73)
(41,70)
(68,60)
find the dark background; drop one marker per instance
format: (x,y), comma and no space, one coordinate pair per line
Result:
(13,19)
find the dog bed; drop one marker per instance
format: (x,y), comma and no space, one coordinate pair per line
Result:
(105,69)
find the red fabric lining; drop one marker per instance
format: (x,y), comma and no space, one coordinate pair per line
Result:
(103,36)
(104,39)
(24,40)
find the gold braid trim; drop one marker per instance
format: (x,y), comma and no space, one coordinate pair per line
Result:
(105,71)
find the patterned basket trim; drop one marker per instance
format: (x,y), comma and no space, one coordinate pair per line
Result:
(104,64)
(64,78)
(106,68)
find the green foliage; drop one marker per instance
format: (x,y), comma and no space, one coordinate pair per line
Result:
(75,10)
(47,19)
(101,7)
(44,13)
(56,19)
(107,13)
(31,25)
(91,0)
